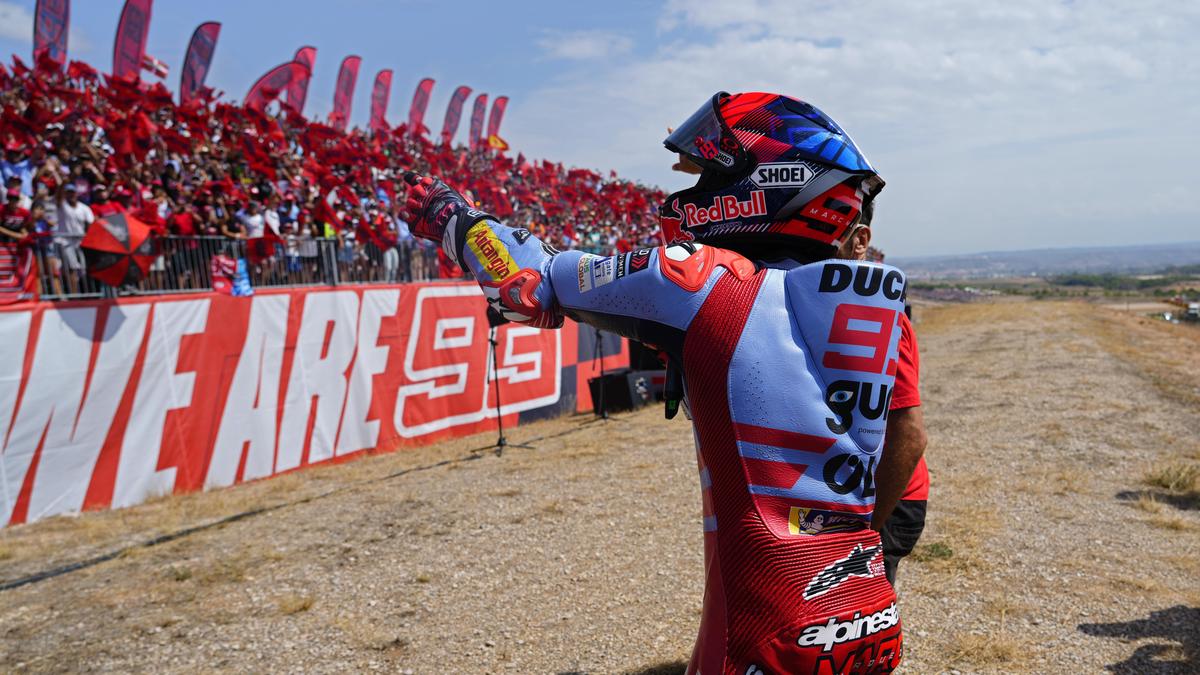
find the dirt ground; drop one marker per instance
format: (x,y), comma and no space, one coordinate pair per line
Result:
(1063,536)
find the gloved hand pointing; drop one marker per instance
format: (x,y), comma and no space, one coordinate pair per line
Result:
(431,206)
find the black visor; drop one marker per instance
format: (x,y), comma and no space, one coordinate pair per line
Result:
(706,140)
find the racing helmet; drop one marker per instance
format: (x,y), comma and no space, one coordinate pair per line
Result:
(778,175)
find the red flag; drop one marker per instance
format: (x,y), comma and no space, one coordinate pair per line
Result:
(272,84)
(454,113)
(497,116)
(51,19)
(380,94)
(130,43)
(297,91)
(78,70)
(197,60)
(343,93)
(151,64)
(416,111)
(18,67)
(477,113)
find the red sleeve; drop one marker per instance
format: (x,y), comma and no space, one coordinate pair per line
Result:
(908,372)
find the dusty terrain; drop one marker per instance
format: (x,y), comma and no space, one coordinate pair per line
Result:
(1064,535)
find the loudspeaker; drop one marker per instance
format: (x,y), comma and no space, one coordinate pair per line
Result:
(626,389)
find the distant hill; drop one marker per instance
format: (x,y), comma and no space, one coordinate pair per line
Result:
(1050,261)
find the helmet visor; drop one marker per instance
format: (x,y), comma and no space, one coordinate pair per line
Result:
(706,140)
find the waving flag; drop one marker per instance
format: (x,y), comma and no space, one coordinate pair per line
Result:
(52,17)
(477,114)
(343,93)
(197,60)
(297,91)
(416,112)
(130,44)
(454,113)
(497,116)
(273,83)
(153,65)
(380,94)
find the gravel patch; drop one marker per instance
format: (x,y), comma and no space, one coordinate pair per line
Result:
(1046,550)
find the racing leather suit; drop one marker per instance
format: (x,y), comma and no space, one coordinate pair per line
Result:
(787,377)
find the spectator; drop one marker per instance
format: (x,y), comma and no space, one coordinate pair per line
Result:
(14,220)
(16,164)
(73,220)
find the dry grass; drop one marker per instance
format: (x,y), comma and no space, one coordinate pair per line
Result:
(1171,521)
(1127,583)
(985,650)
(1178,477)
(1148,503)
(1154,352)
(1005,607)
(294,603)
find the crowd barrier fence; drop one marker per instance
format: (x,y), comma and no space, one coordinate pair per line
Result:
(183,265)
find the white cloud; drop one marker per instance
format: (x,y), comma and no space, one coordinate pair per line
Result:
(584,45)
(16,22)
(1016,124)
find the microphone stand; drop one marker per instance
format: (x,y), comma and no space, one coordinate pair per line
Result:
(600,409)
(493,366)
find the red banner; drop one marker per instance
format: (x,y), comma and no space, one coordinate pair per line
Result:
(416,111)
(380,93)
(343,93)
(105,404)
(52,18)
(273,83)
(297,91)
(130,43)
(197,61)
(454,113)
(477,114)
(497,115)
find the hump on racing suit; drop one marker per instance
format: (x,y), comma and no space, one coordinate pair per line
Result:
(787,376)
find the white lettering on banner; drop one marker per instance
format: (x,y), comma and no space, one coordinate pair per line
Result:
(512,372)
(321,376)
(14,334)
(73,443)
(250,408)
(160,389)
(424,381)
(370,360)
(52,394)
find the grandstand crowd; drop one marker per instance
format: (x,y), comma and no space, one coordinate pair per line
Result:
(78,146)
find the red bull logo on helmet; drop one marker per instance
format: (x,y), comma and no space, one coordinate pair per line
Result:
(726,207)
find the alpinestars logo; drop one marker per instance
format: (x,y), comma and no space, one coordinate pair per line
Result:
(857,564)
(836,632)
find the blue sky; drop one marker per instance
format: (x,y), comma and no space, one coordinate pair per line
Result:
(998,125)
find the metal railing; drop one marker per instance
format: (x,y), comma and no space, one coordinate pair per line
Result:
(184,265)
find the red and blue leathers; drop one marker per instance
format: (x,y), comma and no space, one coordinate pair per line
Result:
(787,374)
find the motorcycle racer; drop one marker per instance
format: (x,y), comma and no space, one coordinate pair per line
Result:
(788,358)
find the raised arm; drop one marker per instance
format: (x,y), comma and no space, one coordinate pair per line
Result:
(649,295)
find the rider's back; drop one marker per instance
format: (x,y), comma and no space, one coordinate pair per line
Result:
(788,375)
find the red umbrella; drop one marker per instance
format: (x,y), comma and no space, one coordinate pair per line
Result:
(118,249)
